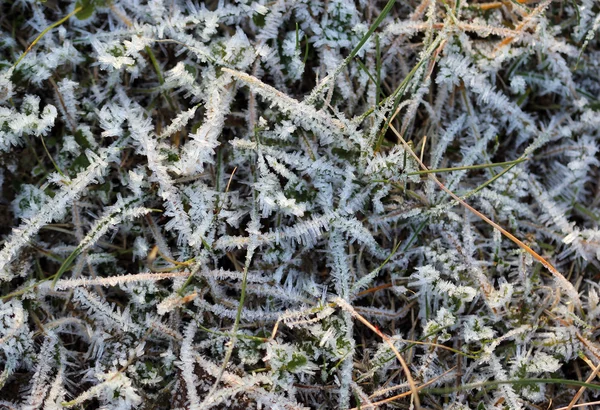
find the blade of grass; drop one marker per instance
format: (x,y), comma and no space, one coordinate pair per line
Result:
(489,181)
(375,81)
(399,89)
(468,167)
(399,92)
(493,383)
(238,316)
(317,90)
(43,33)
(377,69)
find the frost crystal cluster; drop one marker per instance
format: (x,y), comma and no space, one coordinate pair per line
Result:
(297,204)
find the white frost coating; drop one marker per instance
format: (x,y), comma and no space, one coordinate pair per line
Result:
(54,209)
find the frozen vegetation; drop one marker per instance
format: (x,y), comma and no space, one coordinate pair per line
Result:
(297,204)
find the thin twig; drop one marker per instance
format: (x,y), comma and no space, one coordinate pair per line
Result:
(578,395)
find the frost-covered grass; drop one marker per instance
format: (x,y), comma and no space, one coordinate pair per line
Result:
(299,204)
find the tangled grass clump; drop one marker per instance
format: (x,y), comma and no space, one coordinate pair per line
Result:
(299,204)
